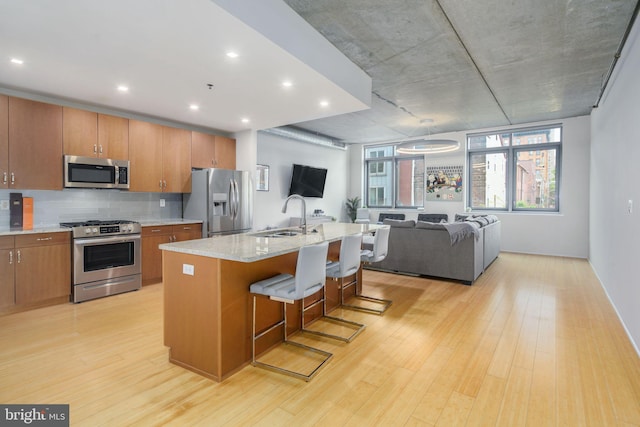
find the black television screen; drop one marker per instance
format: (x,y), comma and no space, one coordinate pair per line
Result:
(307,181)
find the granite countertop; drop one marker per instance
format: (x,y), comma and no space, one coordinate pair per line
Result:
(55,228)
(171,221)
(7,231)
(254,246)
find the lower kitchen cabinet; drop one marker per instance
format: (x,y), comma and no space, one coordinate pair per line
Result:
(7,283)
(35,269)
(153,236)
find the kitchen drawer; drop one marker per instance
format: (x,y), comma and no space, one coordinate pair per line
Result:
(187,228)
(6,242)
(156,230)
(42,239)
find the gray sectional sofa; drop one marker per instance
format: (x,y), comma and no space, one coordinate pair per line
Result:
(461,250)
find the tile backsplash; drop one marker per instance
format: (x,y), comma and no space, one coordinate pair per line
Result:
(53,207)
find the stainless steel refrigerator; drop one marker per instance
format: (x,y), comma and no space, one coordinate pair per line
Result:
(222,199)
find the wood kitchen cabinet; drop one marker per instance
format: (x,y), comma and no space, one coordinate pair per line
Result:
(89,134)
(153,236)
(35,269)
(35,145)
(4,141)
(212,151)
(43,267)
(160,158)
(80,132)
(7,282)
(113,137)
(176,160)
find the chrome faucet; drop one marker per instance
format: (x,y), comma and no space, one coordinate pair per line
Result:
(304,210)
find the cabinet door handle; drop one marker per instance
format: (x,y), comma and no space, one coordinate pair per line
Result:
(13,178)
(43,239)
(19,257)
(165,184)
(5,178)
(157,230)
(10,257)
(100,148)
(95,149)
(186,228)
(160,184)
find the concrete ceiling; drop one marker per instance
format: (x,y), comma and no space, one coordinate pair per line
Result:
(430,66)
(449,65)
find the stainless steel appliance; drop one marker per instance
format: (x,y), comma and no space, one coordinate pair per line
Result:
(106,258)
(92,172)
(221,199)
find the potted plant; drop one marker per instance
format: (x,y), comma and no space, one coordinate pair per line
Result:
(352,207)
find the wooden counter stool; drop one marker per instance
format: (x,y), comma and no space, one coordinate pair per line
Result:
(309,278)
(378,253)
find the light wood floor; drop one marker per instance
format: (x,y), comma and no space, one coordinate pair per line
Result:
(533,342)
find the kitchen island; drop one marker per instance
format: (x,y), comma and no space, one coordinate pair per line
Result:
(207,305)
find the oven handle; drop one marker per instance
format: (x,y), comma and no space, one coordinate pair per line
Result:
(107,239)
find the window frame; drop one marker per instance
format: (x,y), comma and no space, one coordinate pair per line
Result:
(512,149)
(393,160)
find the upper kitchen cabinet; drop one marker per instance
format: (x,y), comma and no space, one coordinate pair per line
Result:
(113,137)
(211,151)
(176,160)
(225,152)
(4,142)
(145,156)
(89,134)
(160,158)
(80,132)
(35,145)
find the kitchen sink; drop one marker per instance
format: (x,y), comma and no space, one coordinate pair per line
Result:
(278,233)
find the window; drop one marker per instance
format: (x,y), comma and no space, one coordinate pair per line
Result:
(523,175)
(393,180)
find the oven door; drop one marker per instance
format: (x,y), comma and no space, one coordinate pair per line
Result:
(101,258)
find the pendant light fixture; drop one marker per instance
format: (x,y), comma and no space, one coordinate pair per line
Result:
(426,145)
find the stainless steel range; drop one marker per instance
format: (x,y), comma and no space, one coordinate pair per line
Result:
(106,258)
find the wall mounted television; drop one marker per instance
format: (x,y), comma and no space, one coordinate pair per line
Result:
(307,181)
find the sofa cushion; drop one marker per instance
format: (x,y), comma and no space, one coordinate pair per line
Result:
(383,216)
(430,225)
(400,223)
(433,217)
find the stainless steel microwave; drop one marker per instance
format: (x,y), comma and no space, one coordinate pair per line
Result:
(92,172)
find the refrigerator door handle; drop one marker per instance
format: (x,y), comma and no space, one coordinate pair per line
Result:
(230,198)
(236,202)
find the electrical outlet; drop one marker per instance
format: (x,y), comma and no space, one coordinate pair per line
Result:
(4,205)
(162,203)
(188,269)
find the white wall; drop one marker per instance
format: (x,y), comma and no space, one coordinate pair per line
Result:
(562,234)
(615,150)
(280,154)
(566,233)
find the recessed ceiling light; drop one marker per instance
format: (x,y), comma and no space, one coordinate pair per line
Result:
(17,61)
(232,54)
(324,103)
(245,120)
(123,88)
(194,107)
(287,83)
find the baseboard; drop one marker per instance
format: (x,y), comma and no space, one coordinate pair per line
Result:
(633,343)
